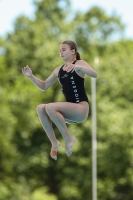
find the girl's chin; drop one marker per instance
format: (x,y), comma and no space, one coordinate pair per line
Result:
(64,59)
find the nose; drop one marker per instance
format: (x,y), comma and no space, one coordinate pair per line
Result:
(61,54)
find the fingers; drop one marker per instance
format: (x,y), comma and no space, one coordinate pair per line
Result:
(26,67)
(26,71)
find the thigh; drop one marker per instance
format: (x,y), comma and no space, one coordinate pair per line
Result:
(72,112)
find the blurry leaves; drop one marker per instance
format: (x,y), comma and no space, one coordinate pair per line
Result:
(25,165)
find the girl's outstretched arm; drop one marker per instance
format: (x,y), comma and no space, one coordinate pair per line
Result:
(43,85)
(81,67)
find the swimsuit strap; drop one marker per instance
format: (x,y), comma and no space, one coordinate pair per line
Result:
(74,62)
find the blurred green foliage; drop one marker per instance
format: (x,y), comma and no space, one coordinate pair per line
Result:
(26,170)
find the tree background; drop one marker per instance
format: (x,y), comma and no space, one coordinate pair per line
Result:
(26,170)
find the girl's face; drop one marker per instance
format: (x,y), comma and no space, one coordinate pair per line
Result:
(66,53)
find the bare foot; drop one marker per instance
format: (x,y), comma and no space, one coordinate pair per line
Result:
(54,149)
(69,145)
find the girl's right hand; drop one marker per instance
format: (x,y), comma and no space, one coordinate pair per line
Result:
(26,71)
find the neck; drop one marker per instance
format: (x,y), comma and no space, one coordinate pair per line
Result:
(71,60)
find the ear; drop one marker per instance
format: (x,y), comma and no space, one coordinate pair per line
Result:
(73,51)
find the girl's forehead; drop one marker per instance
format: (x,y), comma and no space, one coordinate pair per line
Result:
(66,46)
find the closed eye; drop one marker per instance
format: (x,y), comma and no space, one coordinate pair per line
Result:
(63,49)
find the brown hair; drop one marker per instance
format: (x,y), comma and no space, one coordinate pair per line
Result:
(74,46)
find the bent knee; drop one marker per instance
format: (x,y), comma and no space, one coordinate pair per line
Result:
(40,108)
(49,109)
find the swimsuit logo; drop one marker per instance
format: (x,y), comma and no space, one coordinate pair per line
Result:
(66,75)
(74,89)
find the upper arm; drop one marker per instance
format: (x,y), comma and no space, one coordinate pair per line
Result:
(84,68)
(51,79)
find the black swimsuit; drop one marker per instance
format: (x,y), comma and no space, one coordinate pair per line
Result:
(72,86)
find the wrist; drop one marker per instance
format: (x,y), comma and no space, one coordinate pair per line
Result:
(30,76)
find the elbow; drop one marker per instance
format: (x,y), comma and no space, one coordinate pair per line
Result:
(95,75)
(44,87)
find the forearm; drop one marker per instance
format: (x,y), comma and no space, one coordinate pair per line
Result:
(90,72)
(87,70)
(39,83)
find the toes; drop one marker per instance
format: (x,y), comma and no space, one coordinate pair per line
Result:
(69,147)
(53,154)
(54,157)
(69,153)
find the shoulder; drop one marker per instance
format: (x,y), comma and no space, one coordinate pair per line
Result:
(79,65)
(81,62)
